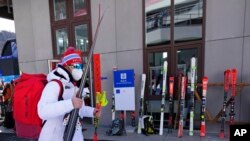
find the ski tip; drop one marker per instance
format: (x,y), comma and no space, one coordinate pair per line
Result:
(234,70)
(227,71)
(222,135)
(205,78)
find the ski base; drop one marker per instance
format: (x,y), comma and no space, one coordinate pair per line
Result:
(180,131)
(222,135)
(203,131)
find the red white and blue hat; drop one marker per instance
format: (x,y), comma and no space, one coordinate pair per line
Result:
(71,56)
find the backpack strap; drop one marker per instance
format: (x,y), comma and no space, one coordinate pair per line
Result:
(60,94)
(61,89)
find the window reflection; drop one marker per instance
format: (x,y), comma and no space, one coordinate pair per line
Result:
(61,40)
(156,61)
(60,9)
(188,20)
(184,60)
(79,7)
(157,22)
(81,37)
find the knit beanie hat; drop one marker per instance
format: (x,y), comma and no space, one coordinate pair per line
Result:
(71,56)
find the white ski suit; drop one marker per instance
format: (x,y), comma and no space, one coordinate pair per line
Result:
(53,111)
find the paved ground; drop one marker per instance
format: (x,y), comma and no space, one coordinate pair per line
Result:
(212,135)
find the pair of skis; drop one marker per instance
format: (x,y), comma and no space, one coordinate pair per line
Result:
(227,74)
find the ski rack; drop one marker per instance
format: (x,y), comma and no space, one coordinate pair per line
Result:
(239,87)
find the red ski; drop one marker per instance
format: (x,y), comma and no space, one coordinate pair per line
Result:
(182,102)
(233,93)
(226,89)
(203,107)
(171,104)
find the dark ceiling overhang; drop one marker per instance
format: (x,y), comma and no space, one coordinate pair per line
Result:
(6,10)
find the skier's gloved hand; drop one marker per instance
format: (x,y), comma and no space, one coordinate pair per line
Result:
(77,102)
(97,112)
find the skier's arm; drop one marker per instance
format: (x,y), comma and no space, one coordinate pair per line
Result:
(49,106)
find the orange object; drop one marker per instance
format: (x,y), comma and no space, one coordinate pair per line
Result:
(97,73)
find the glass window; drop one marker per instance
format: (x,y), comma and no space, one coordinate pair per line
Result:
(61,40)
(67,26)
(156,61)
(157,22)
(188,20)
(81,37)
(79,7)
(60,10)
(172,26)
(184,60)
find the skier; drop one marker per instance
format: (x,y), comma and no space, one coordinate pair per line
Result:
(52,109)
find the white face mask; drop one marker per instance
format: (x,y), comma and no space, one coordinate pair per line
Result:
(77,74)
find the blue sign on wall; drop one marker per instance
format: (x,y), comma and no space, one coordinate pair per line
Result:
(124,89)
(123,78)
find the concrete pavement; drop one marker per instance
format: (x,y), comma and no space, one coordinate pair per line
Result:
(212,135)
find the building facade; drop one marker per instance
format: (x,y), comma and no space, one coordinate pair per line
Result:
(139,35)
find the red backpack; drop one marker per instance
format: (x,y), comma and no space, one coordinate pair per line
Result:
(27,93)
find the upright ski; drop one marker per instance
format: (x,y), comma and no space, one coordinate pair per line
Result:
(165,66)
(141,110)
(171,104)
(233,93)
(203,107)
(113,100)
(182,101)
(226,89)
(193,78)
(179,97)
